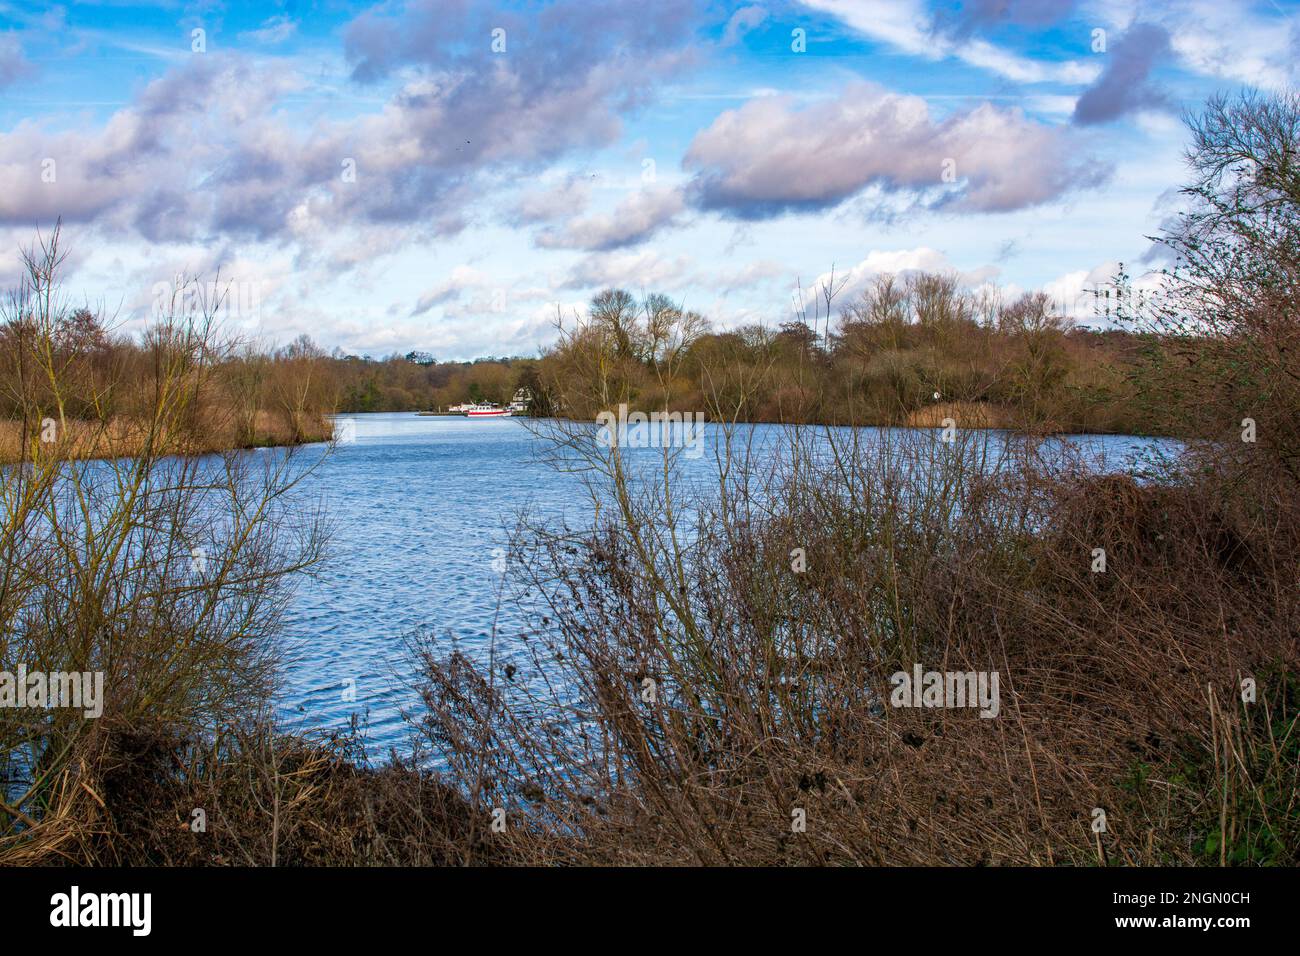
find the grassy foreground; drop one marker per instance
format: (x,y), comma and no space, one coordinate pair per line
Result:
(703,695)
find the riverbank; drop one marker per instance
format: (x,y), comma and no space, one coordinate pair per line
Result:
(126,437)
(118,438)
(744,702)
(964,415)
(769,645)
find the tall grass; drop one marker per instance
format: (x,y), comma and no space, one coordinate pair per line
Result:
(689,691)
(710,679)
(167,574)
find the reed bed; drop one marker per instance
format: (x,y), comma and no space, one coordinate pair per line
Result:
(689,696)
(129,438)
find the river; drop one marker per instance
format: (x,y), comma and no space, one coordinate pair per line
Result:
(417,508)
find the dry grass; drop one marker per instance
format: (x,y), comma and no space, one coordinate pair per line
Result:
(964,414)
(165,574)
(126,438)
(1119,690)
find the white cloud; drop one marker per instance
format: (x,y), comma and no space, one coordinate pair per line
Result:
(634,220)
(635,270)
(771,156)
(569,197)
(1250,42)
(906,24)
(273,30)
(462,278)
(741,22)
(852,282)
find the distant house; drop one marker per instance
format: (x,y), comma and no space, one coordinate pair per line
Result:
(519,403)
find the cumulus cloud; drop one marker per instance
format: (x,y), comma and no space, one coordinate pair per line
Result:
(461,118)
(202,153)
(462,278)
(1231,39)
(560,201)
(772,156)
(1124,86)
(634,220)
(637,270)
(852,282)
(1074,293)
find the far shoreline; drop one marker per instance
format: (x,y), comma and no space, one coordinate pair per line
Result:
(92,437)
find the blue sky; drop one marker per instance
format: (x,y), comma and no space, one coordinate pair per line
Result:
(398,176)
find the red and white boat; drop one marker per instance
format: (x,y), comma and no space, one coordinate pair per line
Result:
(486,410)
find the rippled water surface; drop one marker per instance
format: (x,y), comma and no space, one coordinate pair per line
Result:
(416,506)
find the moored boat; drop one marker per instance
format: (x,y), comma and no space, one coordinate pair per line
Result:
(487,410)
